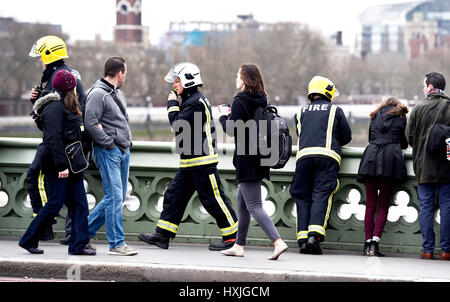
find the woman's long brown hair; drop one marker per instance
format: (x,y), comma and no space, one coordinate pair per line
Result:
(71,102)
(398,108)
(252,78)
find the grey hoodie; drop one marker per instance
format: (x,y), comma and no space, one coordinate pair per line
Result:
(102,109)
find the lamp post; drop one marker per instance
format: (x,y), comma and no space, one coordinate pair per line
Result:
(148,99)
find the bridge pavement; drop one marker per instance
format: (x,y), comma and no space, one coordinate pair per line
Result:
(195,263)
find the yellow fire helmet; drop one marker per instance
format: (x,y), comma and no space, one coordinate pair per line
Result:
(323,86)
(50,48)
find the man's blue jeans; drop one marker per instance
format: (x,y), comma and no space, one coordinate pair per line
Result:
(114,169)
(427,194)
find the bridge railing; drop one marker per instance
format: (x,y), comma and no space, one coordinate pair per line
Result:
(153,166)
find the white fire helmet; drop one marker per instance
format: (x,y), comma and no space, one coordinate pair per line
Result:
(188,73)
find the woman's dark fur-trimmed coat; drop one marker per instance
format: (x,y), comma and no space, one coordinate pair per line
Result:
(383,156)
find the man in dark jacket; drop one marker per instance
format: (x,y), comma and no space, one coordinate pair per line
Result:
(433,173)
(322,129)
(195,141)
(51,51)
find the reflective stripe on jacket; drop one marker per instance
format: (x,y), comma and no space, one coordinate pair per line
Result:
(322,129)
(195,132)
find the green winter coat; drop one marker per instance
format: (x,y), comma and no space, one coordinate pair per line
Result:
(427,168)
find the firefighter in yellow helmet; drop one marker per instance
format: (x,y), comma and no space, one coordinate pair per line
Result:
(322,129)
(51,51)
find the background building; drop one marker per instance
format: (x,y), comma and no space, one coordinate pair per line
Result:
(129,27)
(410,28)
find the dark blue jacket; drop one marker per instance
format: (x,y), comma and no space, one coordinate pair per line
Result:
(50,72)
(322,129)
(194,128)
(60,127)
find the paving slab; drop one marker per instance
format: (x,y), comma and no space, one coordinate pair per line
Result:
(195,263)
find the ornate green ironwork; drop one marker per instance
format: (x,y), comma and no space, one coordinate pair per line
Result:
(153,165)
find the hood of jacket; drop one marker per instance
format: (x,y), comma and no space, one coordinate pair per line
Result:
(44,100)
(101,83)
(254,99)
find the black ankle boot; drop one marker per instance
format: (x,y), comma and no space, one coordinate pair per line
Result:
(157,239)
(223,245)
(313,245)
(304,248)
(366,248)
(374,249)
(65,240)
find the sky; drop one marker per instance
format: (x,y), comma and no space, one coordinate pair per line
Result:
(83,19)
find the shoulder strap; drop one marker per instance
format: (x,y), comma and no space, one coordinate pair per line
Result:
(443,112)
(119,103)
(114,96)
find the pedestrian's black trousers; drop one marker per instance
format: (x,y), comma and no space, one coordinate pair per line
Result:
(207,183)
(37,188)
(313,187)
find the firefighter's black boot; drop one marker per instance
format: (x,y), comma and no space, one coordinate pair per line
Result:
(304,248)
(223,245)
(313,245)
(65,240)
(157,239)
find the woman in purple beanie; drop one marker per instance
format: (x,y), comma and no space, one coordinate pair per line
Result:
(62,125)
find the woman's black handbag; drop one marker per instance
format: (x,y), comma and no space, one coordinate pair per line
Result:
(436,145)
(75,156)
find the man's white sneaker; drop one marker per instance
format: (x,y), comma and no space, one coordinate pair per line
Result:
(123,250)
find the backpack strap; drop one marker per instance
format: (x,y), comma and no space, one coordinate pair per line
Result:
(443,112)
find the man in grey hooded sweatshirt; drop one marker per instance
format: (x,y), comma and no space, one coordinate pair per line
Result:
(107,122)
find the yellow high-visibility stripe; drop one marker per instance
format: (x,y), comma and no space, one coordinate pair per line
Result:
(194,159)
(173,109)
(230,230)
(302,235)
(299,127)
(219,199)
(167,226)
(327,151)
(330,200)
(321,229)
(316,228)
(41,188)
(319,151)
(199,161)
(207,127)
(330,126)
